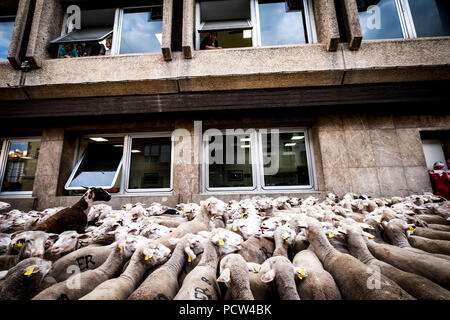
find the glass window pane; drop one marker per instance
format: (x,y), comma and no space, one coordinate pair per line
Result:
(431,17)
(150,163)
(6,29)
(141,30)
(100,163)
(234,168)
(292,161)
(21,166)
(279,25)
(380,21)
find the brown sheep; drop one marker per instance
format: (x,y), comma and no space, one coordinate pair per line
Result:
(74,217)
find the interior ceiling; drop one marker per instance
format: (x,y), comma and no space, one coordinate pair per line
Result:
(224,10)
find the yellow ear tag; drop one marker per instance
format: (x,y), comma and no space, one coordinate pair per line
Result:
(101,220)
(189,259)
(146,257)
(371,226)
(19,244)
(378,220)
(256,269)
(330,235)
(235,228)
(285,238)
(29,272)
(370,237)
(113,217)
(221,242)
(411,229)
(301,273)
(242,209)
(121,249)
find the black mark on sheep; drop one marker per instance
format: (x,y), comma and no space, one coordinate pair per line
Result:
(201,294)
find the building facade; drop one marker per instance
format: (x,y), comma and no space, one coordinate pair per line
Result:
(358,91)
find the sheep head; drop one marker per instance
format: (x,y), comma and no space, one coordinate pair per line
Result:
(227,241)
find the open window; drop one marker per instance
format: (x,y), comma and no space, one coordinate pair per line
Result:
(254,23)
(99,164)
(6,30)
(113,31)
(18,165)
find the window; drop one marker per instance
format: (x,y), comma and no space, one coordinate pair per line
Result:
(123,164)
(113,31)
(18,165)
(6,30)
(247,23)
(257,160)
(391,19)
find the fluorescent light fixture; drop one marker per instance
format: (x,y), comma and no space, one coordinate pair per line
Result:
(118,145)
(247,34)
(245,146)
(297,137)
(291,144)
(135,151)
(27,158)
(159,37)
(245,139)
(99,139)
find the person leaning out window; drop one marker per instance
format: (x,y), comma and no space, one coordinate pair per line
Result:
(210,42)
(67,51)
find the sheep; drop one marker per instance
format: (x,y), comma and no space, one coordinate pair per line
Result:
(434,219)
(81,284)
(4,206)
(189,210)
(87,258)
(438,247)
(75,217)
(201,283)
(5,240)
(233,272)
(162,284)
(144,258)
(260,290)
(155,231)
(431,233)
(319,284)
(282,271)
(418,286)
(22,281)
(350,274)
(439,227)
(257,249)
(433,268)
(284,237)
(67,242)
(99,211)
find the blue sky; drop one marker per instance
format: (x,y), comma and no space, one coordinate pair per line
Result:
(6,29)
(138,34)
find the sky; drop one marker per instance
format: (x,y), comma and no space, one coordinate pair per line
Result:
(6,29)
(138,34)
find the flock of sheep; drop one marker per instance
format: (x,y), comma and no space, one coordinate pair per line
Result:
(353,247)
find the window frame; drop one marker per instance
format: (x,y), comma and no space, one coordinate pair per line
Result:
(205,164)
(309,155)
(311,31)
(126,161)
(4,160)
(258,165)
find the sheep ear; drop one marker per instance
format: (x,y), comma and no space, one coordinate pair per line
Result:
(83,236)
(368,235)
(384,223)
(268,276)
(3,274)
(224,276)
(409,227)
(191,255)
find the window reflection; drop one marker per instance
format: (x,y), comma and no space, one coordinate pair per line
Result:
(141,30)
(6,29)
(279,25)
(235,168)
(21,166)
(431,17)
(293,166)
(381,21)
(150,165)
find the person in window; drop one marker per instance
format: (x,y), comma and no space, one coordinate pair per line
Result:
(81,50)
(440,180)
(67,51)
(96,49)
(210,42)
(108,47)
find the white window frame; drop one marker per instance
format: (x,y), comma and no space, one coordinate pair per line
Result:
(205,163)
(258,165)
(126,160)
(256,30)
(117,27)
(4,159)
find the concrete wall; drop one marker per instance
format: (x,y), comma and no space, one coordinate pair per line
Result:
(376,153)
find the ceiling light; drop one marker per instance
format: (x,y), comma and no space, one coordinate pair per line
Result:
(291,144)
(135,151)
(297,137)
(245,146)
(245,139)
(118,145)
(99,139)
